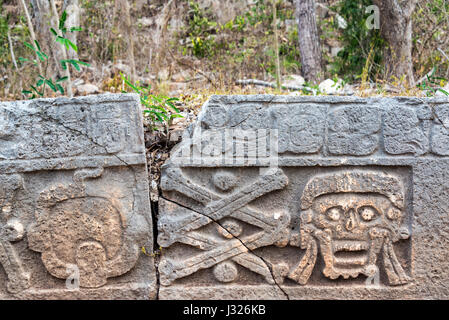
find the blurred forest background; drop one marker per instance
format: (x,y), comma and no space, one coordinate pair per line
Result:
(194,48)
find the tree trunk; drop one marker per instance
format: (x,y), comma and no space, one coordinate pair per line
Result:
(45,18)
(161,36)
(396,28)
(276,47)
(126,24)
(73,20)
(41,11)
(309,42)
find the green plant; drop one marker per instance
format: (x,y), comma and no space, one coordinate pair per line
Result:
(44,81)
(430,37)
(158,108)
(260,13)
(432,84)
(357,40)
(4,28)
(200,31)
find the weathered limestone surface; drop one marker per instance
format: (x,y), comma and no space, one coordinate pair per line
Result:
(74,200)
(355,206)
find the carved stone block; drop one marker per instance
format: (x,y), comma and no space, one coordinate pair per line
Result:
(350,202)
(74,200)
(353,130)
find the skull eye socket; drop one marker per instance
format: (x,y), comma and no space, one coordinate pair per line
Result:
(334,213)
(368,213)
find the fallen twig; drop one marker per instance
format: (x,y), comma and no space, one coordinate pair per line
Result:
(269,84)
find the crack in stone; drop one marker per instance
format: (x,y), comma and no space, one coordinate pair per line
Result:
(154,214)
(439,120)
(267,264)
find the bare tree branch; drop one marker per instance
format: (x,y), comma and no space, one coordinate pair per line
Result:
(11,49)
(32,34)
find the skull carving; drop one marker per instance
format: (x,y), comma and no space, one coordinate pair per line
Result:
(352,217)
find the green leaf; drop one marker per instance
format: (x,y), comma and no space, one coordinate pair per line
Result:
(37,91)
(26,92)
(42,56)
(73,29)
(157,99)
(74,63)
(172,106)
(51,84)
(60,88)
(71,44)
(62,41)
(53,31)
(39,83)
(62,20)
(83,63)
(157,114)
(443,91)
(23,59)
(37,45)
(160,116)
(128,83)
(29,45)
(62,79)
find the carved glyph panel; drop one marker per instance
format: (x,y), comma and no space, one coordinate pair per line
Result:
(362,212)
(287,227)
(74,200)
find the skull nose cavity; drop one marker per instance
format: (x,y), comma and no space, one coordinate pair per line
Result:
(351,222)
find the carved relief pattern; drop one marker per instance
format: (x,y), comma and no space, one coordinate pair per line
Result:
(349,217)
(226,246)
(74,228)
(359,213)
(301,128)
(74,199)
(404,133)
(353,130)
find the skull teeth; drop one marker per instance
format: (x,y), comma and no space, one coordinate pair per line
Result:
(350,245)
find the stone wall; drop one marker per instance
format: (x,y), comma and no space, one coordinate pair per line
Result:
(275,197)
(266,197)
(74,200)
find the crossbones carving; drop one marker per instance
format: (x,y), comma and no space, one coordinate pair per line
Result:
(351,217)
(227,208)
